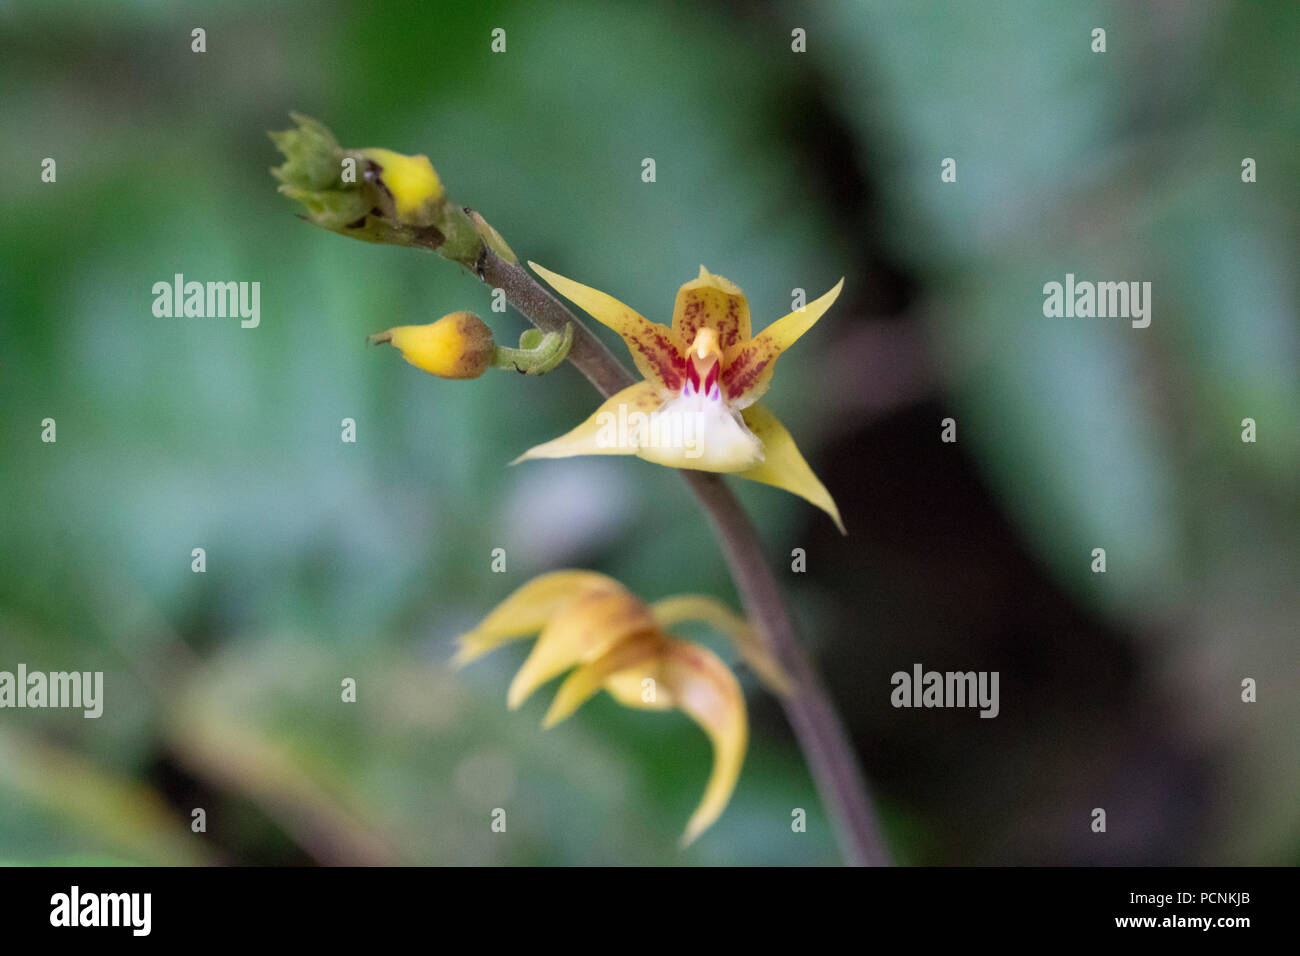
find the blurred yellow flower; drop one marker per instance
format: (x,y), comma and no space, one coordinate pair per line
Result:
(697,407)
(607,639)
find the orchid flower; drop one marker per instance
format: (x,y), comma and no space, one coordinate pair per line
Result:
(698,405)
(607,639)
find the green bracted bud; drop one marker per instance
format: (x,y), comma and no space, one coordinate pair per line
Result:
(375,195)
(312,155)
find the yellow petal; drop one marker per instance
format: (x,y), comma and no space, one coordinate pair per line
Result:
(747,366)
(613,429)
(657,349)
(712,302)
(745,638)
(707,692)
(629,687)
(587,680)
(783,466)
(580,631)
(527,610)
(686,676)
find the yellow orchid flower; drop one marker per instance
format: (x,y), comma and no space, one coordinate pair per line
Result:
(697,407)
(607,639)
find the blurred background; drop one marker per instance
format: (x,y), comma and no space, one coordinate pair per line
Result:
(779,170)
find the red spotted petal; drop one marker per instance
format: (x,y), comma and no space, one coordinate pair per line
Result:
(656,349)
(711,301)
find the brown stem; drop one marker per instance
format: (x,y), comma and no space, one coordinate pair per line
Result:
(811,713)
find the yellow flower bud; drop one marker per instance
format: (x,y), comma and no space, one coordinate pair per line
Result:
(456,346)
(412,182)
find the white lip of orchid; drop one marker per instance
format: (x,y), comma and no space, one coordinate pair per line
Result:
(697,428)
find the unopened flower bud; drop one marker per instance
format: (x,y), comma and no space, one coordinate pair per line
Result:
(409,182)
(376,195)
(458,345)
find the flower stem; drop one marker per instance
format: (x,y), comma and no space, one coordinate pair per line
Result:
(811,712)
(538,352)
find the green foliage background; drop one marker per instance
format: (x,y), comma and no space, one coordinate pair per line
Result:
(328,559)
